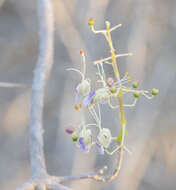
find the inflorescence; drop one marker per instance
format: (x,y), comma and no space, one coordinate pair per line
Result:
(111,88)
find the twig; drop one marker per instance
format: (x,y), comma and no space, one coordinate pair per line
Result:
(11,85)
(40,180)
(41,74)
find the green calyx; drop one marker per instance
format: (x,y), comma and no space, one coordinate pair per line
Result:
(74,136)
(155,91)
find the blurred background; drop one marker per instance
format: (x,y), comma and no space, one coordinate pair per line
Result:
(148,30)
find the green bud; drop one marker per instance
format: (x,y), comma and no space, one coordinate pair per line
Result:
(91,22)
(113,90)
(155,91)
(74,136)
(135,85)
(136,94)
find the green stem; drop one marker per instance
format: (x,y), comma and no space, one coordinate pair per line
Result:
(117,75)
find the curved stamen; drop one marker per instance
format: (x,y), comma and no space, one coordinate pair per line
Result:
(76,70)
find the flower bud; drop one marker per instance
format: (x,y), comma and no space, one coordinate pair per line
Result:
(83,88)
(70,130)
(75,136)
(136,94)
(91,22)
(104,137)
(135,85)
(155,91)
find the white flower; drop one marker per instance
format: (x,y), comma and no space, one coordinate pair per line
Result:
(86,134)
(85,140)
(104,137)
(83,88)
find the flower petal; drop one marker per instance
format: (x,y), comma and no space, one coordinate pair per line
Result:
(100,148)
(88,98)
(82,145)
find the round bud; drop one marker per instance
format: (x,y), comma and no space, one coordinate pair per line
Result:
(135,85)
(136,94)
(155,91)
(91,22)
(70,130)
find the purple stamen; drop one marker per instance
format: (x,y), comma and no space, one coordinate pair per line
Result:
(100,148)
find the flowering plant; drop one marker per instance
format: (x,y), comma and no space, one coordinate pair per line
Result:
(111,87)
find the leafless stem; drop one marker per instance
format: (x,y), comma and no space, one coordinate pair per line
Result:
(44,64)
(40,180)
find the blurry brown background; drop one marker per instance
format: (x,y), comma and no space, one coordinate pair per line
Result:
(149,31)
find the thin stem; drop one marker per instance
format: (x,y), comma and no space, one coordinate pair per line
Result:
(99,113)
(97,31)
(101,76)
(115,27)
(11,85)
(111,153)
(120,95)
(98,120)
(109,58)
(84,65)
(93,115)
(91,124)
(76,70)
(131,105)
(103,73)
(147,96)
